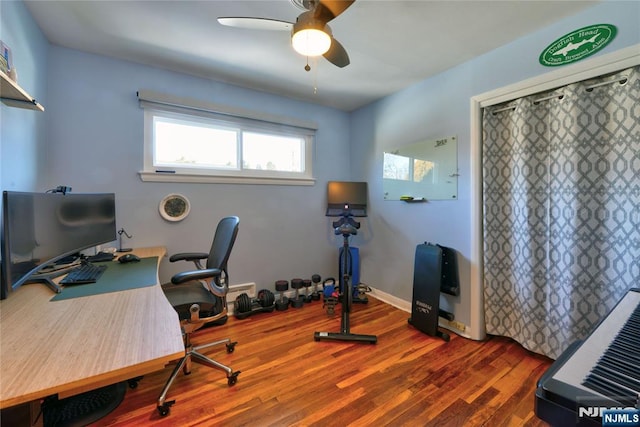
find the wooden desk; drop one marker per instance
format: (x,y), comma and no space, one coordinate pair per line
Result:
(71,346)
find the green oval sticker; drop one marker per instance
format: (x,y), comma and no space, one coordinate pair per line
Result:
(578,45)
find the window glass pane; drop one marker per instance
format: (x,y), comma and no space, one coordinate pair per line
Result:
(272,152)
(193,144)
(396,167)
(421,168)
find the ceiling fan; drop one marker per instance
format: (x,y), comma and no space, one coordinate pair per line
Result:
(310,34)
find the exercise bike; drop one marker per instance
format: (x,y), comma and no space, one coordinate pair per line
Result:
(347,227)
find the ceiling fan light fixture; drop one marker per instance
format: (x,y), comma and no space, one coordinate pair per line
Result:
(311,42)
(310,36)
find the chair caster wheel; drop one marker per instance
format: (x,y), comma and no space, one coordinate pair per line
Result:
(165,408)
(231,347)
(233,378)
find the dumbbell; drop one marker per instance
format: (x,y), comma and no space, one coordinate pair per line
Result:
(298,300)
(315,295)
(307,284)
(245,306)
(283,303)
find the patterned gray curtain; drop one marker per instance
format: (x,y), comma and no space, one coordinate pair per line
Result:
(561,192)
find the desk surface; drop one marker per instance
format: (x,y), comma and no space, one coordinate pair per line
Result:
(71,346)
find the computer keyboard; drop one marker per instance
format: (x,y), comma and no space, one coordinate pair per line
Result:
(86,273)
(101,256)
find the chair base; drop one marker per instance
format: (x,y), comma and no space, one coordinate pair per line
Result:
(192,353)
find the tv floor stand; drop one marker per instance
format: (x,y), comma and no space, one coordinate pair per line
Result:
(346,226)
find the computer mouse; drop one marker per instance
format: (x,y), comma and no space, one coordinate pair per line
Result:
(128,258)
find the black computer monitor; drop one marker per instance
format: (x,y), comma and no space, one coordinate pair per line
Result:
(346,197)
(39,229)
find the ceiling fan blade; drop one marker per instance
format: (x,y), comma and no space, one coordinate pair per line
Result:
(337,54)
(326,10)
(256,23)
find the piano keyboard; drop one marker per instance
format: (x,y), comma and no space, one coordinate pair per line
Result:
(617,372)
(606,364)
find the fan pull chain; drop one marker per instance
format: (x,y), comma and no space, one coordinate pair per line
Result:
(308,68)
(315,75)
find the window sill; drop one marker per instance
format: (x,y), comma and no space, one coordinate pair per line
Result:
(220,179)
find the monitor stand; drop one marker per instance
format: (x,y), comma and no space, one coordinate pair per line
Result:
(47,277)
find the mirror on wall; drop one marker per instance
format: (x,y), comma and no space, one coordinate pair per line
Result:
(427,170)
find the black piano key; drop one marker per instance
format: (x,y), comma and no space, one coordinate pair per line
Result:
(617,373)
(614,377)
(619,366)
(610,390)
(626,346)
(630,334)
(628,341)
(624,354)
(631,330)
(634,325)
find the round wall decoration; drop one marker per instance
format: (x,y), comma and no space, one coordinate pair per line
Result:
(577,45)
(174,207)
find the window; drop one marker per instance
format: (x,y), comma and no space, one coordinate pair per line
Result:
(188,141)
(402,168)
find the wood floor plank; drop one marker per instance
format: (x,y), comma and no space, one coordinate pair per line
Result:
(288,379)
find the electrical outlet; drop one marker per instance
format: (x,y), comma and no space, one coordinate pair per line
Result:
(457,325)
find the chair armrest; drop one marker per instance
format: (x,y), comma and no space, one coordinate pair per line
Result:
(188,256)
(186,276)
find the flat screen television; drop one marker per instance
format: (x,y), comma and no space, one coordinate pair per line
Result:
(39,229)
(346,197)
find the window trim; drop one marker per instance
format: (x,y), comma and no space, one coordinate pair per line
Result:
(154,103)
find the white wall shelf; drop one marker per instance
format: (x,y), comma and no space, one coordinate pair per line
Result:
(14,96)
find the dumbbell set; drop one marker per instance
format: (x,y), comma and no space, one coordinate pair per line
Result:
(266,301)
(298,300)
(245,306)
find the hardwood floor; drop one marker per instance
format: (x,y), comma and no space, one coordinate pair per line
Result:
(407,378)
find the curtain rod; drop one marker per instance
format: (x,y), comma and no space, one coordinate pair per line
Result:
(622,80)
(499,110)
(547,98)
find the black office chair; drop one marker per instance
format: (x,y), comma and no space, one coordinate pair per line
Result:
(199,297)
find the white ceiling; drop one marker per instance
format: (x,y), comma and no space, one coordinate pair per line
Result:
(391,44)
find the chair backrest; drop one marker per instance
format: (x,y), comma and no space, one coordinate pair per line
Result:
(223,242)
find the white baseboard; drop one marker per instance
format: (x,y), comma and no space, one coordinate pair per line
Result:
(391,300)
(250,289)
(453,326)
